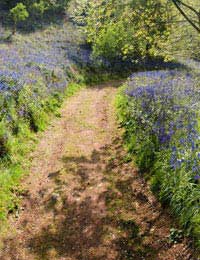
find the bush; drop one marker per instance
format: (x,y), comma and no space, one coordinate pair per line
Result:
(130,31)
(39,8)
(19,13)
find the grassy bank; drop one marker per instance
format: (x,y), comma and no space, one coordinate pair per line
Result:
(159,112)
(18,139)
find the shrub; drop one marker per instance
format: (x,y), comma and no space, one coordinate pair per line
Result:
(19,13)
(128,30)
(39,8)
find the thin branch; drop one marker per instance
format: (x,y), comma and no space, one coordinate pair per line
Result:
(185,15)
(189,7)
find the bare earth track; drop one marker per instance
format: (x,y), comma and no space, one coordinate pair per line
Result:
(84,201)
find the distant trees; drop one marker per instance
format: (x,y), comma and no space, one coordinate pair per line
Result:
(137,29)
(35,5)
(31,10)
(19,13)
(38,8)
(12,3)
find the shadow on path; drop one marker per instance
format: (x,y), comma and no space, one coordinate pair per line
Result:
(107,214)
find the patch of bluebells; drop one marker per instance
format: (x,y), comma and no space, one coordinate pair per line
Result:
(55,49)
(166,105)
(40,59)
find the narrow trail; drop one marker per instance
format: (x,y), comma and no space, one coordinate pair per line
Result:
(84,201)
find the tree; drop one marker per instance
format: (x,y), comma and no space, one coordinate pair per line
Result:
(127,30)
(39,8)
(183,8)
(19,13)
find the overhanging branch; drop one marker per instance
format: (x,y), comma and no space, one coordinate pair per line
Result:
(177,3)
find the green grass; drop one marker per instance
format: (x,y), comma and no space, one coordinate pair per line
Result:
(174,189)
(15,162)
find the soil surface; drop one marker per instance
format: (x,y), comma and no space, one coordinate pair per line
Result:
(84,199)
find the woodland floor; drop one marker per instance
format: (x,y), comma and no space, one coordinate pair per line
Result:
(83,199)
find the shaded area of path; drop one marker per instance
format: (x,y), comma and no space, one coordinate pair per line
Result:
(84,199)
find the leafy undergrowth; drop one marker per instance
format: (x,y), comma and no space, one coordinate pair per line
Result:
(14,164)
(160,113)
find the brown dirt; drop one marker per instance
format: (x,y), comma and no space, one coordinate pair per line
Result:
(84,201)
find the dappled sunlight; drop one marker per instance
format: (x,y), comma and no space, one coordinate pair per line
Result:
(99,130)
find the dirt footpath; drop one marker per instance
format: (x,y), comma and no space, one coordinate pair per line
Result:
(84,200)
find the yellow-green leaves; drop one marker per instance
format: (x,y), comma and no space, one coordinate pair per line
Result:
(19,13)
(127,29)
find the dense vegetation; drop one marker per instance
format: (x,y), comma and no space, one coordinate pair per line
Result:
(127,30)
(160,112)
(159,109)
(134,30)
(35,6)
(30,15)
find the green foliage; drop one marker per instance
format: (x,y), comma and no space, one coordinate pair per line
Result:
(5,140)
(173,187)
(147,151)
(33,100)
(29,15)
(39,8)
(72,89)
(8,180)
(19,13)
(135,29)
(189,12)
(176,235)
(80,10)
(184,40)
(30,3)
(127,30)
(17,136)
